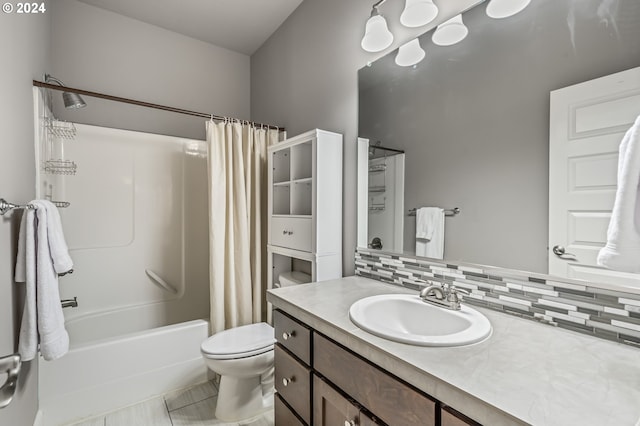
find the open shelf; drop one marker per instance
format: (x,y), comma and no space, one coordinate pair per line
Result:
(301,197)
(282,199)
(302,161)
(281,166)
(282,264)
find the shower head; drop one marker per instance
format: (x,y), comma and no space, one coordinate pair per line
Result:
(71,100)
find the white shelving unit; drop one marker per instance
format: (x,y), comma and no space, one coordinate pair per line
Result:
(305,207)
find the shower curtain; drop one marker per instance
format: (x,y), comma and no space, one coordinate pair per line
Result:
(237,164)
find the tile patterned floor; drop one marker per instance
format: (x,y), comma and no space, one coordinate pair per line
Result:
(187,407)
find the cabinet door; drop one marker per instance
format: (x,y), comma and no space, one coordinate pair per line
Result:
(330,408)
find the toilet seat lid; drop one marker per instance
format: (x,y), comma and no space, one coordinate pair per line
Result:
(245,340)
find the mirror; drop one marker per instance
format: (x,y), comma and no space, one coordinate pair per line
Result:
(473,122)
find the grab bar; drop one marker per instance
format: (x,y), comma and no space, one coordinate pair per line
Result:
(9,365)
(162,283)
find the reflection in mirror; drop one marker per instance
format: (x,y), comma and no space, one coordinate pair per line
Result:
(385,169)
(473,119)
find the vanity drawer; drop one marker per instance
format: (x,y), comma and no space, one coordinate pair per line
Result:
(293,335)
(393,401)
(291,232)
(293,383)
(283,414)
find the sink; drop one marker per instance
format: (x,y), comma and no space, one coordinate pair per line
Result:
(406,318)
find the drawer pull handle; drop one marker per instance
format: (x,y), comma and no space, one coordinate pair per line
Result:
(286,335)
(350,423)
(285,381)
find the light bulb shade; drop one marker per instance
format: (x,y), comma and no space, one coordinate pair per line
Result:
(450,32)
(417,13)
(73,100)
(410,53)
(377,36)
(499,9)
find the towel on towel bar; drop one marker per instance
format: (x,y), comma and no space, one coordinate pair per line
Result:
(622,251)
(430,232)
(42,252)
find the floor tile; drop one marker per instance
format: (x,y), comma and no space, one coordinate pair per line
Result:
(198,414)
(265,419)
(151,412)
(96,421)
(184,397)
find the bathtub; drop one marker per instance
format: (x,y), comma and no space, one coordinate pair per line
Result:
(102,375)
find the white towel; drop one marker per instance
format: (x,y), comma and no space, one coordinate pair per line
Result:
(62,262)
(42,319)
(430,232)
(622,251)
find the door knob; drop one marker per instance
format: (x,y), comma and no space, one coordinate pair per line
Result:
(560,252)
(10,365)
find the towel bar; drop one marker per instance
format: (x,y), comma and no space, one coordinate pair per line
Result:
(6,206)
(447,212)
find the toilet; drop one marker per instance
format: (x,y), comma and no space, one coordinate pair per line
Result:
(243,357)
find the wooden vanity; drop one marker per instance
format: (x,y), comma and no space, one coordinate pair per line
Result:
(320,382)
(331,372)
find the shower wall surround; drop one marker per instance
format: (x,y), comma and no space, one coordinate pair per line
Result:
(569,304)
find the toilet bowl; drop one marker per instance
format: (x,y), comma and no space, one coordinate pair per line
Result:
(243,357)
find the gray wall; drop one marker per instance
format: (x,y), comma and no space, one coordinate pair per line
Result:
(101,51)
(474,120)
(305,77)
(24,45)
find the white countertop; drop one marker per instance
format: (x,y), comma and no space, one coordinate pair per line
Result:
(524,373)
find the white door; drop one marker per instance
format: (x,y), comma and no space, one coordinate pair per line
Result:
(587,123)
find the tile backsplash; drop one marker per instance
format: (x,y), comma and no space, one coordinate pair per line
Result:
(572,305)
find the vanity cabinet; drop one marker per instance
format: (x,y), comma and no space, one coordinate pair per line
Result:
(305,207)
(321,383)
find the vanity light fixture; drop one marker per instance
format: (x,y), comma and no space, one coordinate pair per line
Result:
(377,36)
(499,9)
(410,53)
(450,32)
(417,13)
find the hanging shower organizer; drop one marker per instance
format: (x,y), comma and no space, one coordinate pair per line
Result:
(377,186)
(56,133)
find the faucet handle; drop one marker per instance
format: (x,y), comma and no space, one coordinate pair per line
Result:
(453,293)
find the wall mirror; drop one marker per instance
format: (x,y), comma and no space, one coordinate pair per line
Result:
(472,121)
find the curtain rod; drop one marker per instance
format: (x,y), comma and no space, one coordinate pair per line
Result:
(146,104)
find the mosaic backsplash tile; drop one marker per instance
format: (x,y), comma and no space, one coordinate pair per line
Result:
(576,306)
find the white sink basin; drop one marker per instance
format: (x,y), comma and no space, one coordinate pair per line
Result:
(407,319)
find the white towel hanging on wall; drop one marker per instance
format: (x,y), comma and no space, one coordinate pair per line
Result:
(42,255)
(622,251)
(430,232)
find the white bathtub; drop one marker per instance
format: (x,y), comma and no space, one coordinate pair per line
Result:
(102,375)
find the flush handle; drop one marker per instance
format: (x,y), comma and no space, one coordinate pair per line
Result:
(9,365)
(560,252)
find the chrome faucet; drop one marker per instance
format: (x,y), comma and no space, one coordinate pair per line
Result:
(70,303)
(444,295)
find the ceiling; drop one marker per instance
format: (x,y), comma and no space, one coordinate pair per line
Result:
(238,25)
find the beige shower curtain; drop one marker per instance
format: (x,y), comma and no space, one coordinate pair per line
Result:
(237,166)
